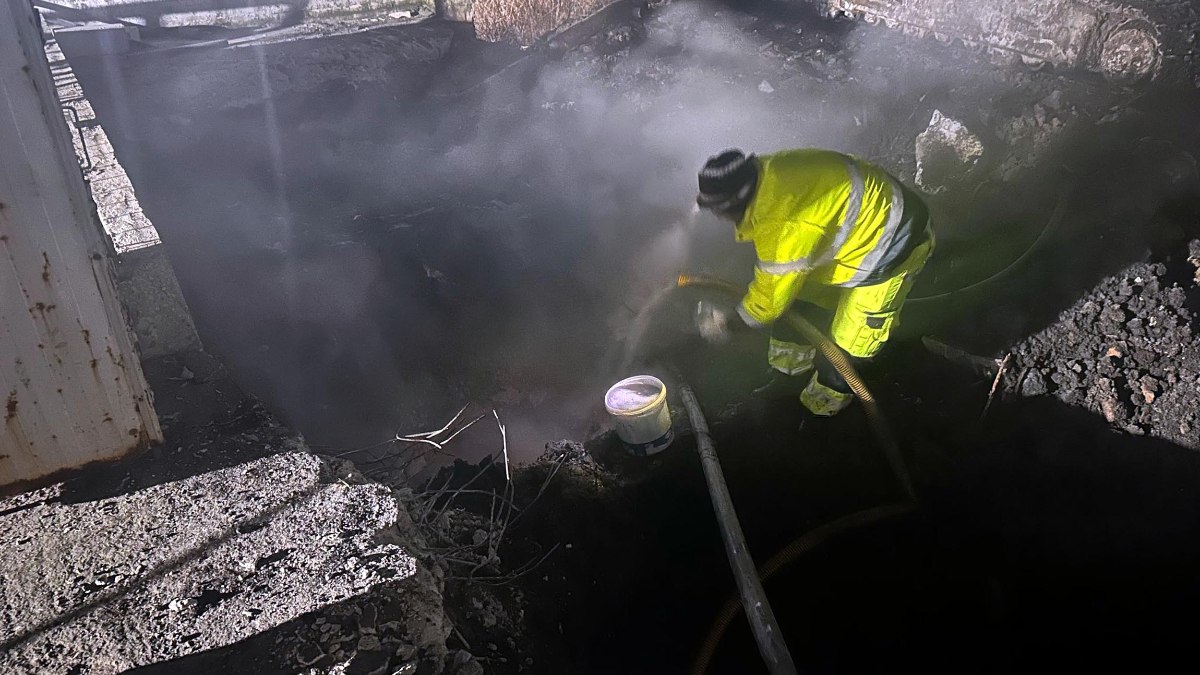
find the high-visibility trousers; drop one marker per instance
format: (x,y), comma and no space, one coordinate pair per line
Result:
(863,319)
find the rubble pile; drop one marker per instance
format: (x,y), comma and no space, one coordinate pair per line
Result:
(1128,350)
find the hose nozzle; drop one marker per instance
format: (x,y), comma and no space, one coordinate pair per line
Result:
(685,280)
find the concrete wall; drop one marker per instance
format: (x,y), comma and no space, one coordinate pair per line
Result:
(70,377)
(157,311)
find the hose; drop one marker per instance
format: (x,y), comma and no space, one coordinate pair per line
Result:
(1060,210)
(838,359)
(786,556)
(812,538)
(762,619)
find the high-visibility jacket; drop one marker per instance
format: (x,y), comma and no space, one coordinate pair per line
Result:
(819,216)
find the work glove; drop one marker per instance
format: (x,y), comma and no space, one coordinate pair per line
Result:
(712,323)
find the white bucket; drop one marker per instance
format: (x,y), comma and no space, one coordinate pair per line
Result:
(638,405)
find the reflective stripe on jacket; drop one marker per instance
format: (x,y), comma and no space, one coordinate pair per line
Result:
(822,217)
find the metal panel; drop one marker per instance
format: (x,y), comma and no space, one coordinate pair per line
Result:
(70,379)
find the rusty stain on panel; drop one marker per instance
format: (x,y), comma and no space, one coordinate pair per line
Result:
(55,417)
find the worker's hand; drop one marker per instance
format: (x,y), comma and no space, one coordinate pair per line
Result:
(711,323)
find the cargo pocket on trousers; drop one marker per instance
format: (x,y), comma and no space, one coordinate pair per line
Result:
(868,337)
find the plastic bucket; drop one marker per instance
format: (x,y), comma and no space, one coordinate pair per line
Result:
(638,405)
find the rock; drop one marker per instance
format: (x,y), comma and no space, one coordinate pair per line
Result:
(371,662)
(309,653)
(1065,378)
(1149,388)
(370,614)
(570,452)
(1054,101)
(488,619)
(1112,319)
(1034,384)
(945,151)
(765,87)
(464,663)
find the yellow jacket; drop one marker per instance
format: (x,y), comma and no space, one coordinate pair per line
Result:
(821,217)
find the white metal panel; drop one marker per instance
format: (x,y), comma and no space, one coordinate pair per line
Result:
(72,387)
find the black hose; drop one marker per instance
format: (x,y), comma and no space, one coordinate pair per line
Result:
(786,556)
(1060,210)
(753,599)
(813,538)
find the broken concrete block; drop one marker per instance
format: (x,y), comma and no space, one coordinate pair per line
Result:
(93,39)
(946,150)
(157,311)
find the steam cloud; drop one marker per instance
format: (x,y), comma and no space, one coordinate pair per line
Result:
(433,251)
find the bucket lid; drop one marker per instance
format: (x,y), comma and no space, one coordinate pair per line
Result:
(635,395)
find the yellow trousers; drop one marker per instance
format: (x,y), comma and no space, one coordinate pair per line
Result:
(863,319)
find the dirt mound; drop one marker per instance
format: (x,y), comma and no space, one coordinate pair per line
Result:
(1128,350)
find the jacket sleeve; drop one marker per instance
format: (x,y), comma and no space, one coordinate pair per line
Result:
(769,296)
(784,261)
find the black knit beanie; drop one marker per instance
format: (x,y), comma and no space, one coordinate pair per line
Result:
(727,181)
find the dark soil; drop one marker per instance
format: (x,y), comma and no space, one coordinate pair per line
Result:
(1049,537)
(1128,351)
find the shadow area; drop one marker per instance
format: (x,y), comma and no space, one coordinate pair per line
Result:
(208,424)
(1106,195)
(1045,541)
(299,646)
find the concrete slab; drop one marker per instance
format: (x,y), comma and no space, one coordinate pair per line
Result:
(94,39)
(196,564)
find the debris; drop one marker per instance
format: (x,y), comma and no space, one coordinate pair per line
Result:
(945,151)
(1149,388)
(995,384)
(1194,258)
(765,87)
(983,366)
(504,440)
(464,663)
(1053,101)
(1034,384)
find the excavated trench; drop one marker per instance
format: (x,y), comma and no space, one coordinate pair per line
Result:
(375,243)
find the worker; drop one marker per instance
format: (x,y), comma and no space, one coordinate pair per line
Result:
(830,231)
